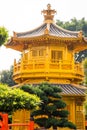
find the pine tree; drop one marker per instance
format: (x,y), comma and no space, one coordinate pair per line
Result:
(51,112)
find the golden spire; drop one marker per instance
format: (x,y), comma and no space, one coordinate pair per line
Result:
(48,14)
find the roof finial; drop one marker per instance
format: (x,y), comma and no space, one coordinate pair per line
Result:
(48,13)
(48,6)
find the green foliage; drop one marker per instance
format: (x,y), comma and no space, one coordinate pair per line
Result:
(63,113)
(85,63)
(74,25)
(85,82)
(85,71)
(6,77)
(50,112)
(3,35)
(14,99)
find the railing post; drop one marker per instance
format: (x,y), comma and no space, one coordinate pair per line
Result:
(31,125)
(5,122)
(60,64)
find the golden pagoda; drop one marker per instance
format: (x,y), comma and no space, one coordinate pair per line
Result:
(47,54)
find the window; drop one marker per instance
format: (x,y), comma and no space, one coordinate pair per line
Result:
(56,55)
(34,53)
(41,52)
(37,53)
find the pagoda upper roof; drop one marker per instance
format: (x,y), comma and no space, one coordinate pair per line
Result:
(47,31)
(50,29)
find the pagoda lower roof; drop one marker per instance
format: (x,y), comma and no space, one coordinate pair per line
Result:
(72,90)
(67,89)
(51,29)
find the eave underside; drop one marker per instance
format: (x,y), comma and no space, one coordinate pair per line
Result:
(20,44)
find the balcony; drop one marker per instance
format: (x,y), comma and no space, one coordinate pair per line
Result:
(37,69)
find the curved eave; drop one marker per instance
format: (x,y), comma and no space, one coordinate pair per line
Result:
(14,44)
(47,37)
(20,44)
(82,45)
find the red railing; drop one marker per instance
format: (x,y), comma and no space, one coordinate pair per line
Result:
(5,126)
(30,125)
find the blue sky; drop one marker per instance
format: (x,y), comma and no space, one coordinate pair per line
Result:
(24,15)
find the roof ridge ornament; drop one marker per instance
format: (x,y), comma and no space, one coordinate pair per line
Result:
(46,31)
(48,14)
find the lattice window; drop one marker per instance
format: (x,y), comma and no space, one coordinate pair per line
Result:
(79,117)
(41,52)
(56,55)
(34,53)
(37,53)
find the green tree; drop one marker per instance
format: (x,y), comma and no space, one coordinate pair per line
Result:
(51,112)
(6,77)
(3,35)
(14,99)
